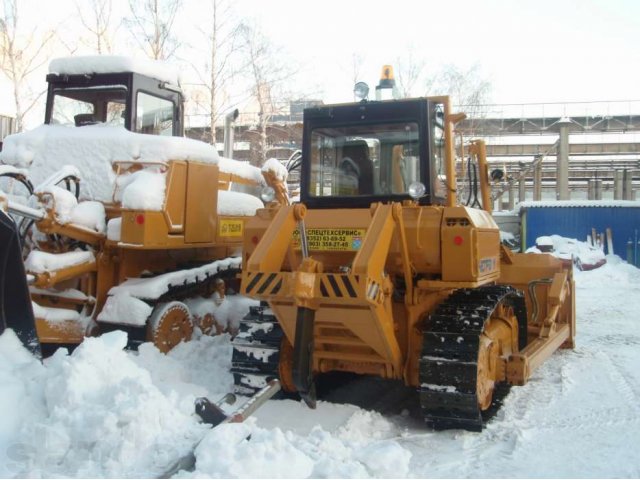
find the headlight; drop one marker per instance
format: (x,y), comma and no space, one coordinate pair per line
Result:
(361,91)
(417,190)
(268,194)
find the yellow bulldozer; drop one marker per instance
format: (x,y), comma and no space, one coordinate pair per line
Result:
(158,221)
(382,270)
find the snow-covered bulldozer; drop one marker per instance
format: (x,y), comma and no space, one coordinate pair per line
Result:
(381,270)
(132,222)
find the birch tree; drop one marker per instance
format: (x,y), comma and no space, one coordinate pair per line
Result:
(22,52)
(268,72)
(151,25)
(96,18)
(221,62)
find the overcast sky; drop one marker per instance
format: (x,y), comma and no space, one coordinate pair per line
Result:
(529,50)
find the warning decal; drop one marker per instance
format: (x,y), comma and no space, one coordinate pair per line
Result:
(230,228)
(332,239)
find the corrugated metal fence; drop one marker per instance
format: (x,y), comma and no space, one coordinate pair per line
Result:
(577,221)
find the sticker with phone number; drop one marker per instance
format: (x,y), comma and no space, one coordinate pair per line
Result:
(332,239)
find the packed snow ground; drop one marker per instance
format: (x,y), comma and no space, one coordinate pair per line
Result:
(104,412)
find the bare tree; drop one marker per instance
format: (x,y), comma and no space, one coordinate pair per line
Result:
(412,80)
(96,19)
(151,25)
(267,71)
(221,63)
(466,88)
(22,53)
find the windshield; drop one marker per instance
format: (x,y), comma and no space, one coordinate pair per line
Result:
(360,160)
(89,105)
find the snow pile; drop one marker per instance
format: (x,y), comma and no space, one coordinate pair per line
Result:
(242,169)
(96,413)
(55,315)
(143,190)
(114,229)
(237,203)
(274,166)
(249,451)
(61,201)
(41,262)
(227,312)
(124,309)
(199,368)
(81,65)
(102,412)
(570,249)
(89,214)
(93,149)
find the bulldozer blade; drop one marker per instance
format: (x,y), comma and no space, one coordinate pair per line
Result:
(16,311)
(303,356)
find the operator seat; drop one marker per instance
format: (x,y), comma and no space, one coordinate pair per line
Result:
(82,119)
(356,162)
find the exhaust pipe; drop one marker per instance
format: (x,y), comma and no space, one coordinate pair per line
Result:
(229,120)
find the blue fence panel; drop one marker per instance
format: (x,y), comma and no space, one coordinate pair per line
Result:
(577,222)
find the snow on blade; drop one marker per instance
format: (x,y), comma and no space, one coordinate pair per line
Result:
(54,315)
(41,262)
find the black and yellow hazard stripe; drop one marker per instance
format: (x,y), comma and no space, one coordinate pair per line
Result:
(264,283)
(339,286)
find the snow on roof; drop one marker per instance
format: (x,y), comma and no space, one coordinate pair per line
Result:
(93,149)
(580,203)
(89,64)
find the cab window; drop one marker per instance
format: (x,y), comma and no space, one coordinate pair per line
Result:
(364,160)
(154,115)
(79,106)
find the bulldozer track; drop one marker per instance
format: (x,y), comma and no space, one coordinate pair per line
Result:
(449,360)
(200,285)
(256,351)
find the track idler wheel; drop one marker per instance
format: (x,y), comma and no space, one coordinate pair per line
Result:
(169,324)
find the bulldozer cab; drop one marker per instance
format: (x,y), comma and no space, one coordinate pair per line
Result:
(138,102)
(357,154)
